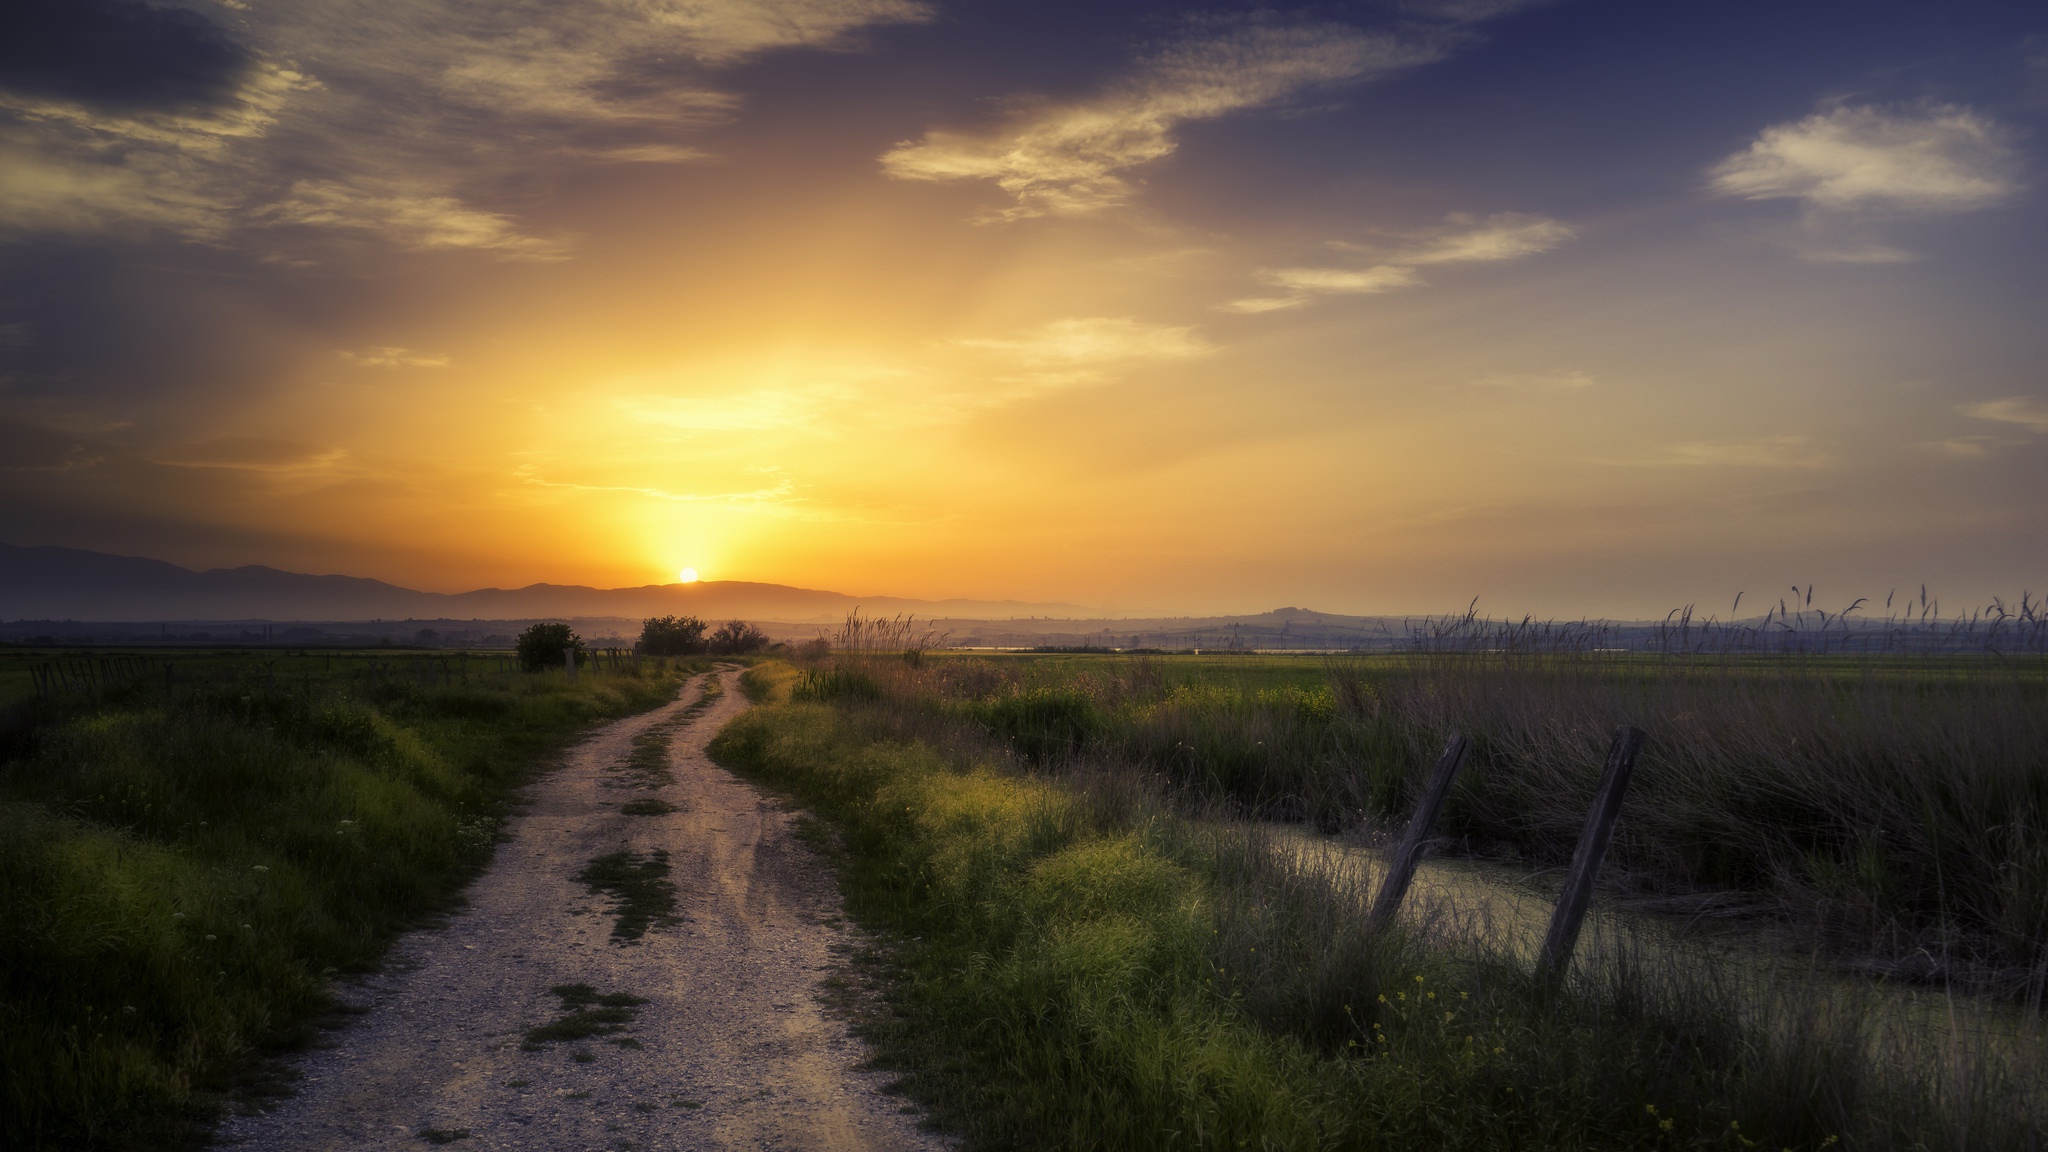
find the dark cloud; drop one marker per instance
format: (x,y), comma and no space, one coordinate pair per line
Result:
(116,53)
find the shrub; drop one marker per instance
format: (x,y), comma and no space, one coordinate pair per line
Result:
(672,636)
(542,645)
(738,638)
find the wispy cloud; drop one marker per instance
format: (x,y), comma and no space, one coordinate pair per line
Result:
(252,454)
(415,218)
(1944,158)
(1968,447)
(396,119)
(1095,341)
(1381,278)
(1561,381)
(384,356)
(2024,411)
(1462,239)
(1465,239)
(1074,158)
(1766,452)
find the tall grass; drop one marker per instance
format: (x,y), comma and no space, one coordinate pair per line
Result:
(1894,806)
(180,877)
(1084,959)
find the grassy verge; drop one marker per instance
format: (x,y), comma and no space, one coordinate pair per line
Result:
(1073,962)
(184,866)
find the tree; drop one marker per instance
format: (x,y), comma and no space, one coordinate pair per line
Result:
(541,646)
(737,638)
(671,636)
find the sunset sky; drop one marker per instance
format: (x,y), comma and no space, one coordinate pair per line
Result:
(1577,307)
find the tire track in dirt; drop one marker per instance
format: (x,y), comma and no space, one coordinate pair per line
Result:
(730,1048)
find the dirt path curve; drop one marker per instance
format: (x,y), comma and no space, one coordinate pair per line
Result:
(730,1049)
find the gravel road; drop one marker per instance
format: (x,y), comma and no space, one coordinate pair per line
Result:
(731,1047)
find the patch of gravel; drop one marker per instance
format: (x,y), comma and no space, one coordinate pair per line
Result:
(730,1049)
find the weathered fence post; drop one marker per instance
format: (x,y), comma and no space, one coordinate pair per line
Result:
(569,661)
(1401,869)
(1577,896)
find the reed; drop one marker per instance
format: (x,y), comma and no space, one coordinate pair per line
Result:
(1079,952)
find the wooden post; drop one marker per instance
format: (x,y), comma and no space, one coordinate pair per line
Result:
(1577,896)
(569,661)
(1401,870)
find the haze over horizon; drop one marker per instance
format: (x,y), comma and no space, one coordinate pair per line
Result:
(1580,307)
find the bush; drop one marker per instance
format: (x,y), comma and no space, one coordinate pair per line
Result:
(672,636)
(738,638)
(541,646)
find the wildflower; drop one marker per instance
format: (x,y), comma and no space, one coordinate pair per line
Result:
(261,868)
(210,936)
(1650,1108)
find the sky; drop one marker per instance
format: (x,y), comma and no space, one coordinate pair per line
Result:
(1585,307)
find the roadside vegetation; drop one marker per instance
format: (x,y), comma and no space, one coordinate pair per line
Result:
(188,857)
(1098,931)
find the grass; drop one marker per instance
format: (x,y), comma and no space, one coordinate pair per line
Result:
(648,806)
(644,897)
(1080,954)
(185,868)
(1893,806)
(587,1013)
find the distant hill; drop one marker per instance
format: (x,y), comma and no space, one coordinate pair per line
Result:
(45,583)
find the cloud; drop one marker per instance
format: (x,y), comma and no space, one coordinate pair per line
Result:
(413,219)
(1562,381)
(116,53)
(1461,240)
(1073,158)
(2025,411)
(1939,159)
(1095,341)
(26,446)
(1383,278)
(1505,236)
(251,454)
(392,120)
(1767,452)
(1255,305)
(389,357)
(1967,447)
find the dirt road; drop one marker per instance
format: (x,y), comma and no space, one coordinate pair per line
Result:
(464,1042)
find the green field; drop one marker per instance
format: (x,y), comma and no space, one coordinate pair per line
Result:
(187,861)
(1097,931)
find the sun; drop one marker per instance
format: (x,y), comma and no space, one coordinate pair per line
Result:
(689,576)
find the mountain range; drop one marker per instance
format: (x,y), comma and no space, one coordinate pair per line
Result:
(49,583)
